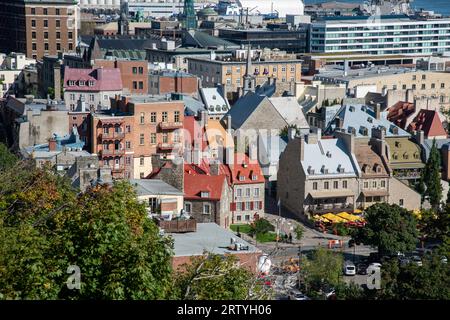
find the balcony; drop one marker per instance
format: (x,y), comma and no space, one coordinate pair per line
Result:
(112,152)
(177,226)
(112,135)
(169,146)
(170,125)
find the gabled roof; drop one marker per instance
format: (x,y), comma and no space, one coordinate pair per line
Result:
(400,112)
(290,110)
(243,108)
(103,79)
(203,40)
(360,120)
(244,167)
(429,122)
(197,180)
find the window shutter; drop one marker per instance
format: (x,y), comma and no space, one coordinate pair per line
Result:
(260,205)
(233,206)
(251,205)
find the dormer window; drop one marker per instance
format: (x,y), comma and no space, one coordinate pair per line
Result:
(328,154)
(416,155)
(394,130)
(377,168)
(395,156)
(340,169)
(364,131)
(398,144)
(81,83)
(254,177)
(352,109)
(324,170)
(204,194)
(91,83)
(310,170)
(241,178)
(214,97)
(71,83)
(369,119)
(405,156)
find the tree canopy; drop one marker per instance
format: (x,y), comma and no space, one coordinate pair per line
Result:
(391,228)
(431,177)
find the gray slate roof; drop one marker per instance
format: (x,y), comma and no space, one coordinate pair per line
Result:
(154,187)
(208,237)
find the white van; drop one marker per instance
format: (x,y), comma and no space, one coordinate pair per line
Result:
(349,268)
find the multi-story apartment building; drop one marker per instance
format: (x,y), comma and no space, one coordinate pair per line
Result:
(38,27)
(317,175)
(230,70)
(134,73)
(94,86)
(11,66)
(381,35)
(135,128)
(396,84)
(168,81)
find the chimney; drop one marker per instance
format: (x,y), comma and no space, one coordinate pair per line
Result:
(100,74)
(204,118)
(377,111)
(291,133)
(420,137)
(214,168)
(229,156)
(52,144)
(228,123)
(253,152)
(302,147)
(314,136)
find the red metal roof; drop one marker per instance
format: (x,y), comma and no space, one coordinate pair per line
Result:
(429,122)
(399,113)
(196,180)
(102,79)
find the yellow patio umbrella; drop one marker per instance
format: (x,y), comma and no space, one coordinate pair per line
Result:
(357,211)
(333,217)
(350,217)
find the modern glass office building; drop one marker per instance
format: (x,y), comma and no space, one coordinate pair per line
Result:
(382,35)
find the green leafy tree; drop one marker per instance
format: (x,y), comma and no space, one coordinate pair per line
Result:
(299,231)
(260,227)
(322,270)
(410,281)
(448,195)
(51,92)
(431,176)
(216,277)
(7,159)
(45,227)
(389,227)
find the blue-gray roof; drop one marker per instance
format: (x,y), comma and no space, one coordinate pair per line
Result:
(243,108)
(360,119)
(192,106)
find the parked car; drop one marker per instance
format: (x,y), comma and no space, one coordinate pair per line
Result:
(417,260)
(374,265)
(349,268)
(361,268)
(295,294)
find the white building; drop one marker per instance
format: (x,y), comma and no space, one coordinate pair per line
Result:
(11,66)
(282,7)
(380,35)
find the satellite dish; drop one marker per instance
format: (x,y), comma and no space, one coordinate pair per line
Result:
(264,264)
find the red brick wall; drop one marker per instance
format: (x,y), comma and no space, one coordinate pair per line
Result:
(82,121)
(188,85)
(127,75)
